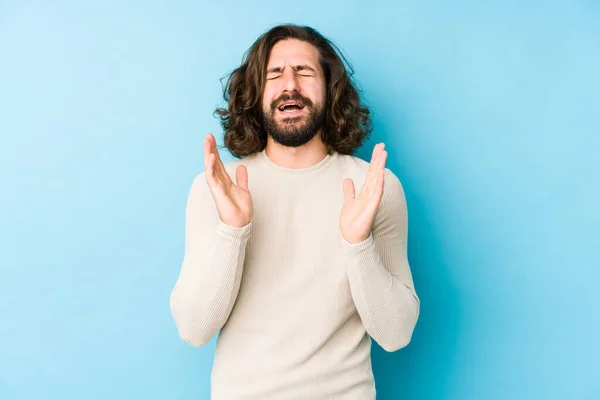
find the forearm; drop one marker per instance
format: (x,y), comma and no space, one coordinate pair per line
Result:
(206,290)
(388,305)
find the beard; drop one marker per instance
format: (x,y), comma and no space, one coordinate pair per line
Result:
(294,131)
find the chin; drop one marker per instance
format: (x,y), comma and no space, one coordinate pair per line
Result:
(291,126)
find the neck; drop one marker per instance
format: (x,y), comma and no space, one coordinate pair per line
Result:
(303,156)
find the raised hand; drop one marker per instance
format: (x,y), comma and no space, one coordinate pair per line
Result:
(358,213)
(234,202)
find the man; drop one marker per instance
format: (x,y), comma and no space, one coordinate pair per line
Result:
(294,268)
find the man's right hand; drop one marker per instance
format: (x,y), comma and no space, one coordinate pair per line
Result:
(234,202)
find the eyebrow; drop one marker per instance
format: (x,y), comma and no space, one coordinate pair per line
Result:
(300,67)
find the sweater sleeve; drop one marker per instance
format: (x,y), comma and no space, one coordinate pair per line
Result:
(379,273)
(210,275)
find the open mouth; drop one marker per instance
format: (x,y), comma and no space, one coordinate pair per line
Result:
(291,107)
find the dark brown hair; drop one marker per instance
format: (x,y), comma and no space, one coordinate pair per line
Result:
(347,121)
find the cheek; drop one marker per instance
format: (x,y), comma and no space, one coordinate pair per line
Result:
(322,95)
(323,91)
(316,92)
(268,97)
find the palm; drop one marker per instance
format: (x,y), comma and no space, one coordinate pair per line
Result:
(358,212)
(233,201)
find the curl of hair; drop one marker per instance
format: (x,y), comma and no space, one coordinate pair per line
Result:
(347,121)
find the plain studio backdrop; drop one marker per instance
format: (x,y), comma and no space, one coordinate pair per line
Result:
(490,113)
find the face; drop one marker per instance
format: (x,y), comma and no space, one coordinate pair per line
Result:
(294,94)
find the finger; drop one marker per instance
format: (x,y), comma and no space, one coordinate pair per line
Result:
(222,171)
(207,147)
(374,152)
(378,192)
(218,161)
(241,177)
(375,199)
(372,171)
(209,172)
(376,149)
(208,150)
(219,168)
(209,163)
(373,158)
(382,159)
(224,177)
(374,185)
(348,188)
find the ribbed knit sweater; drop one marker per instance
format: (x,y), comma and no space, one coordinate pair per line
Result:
(294,304)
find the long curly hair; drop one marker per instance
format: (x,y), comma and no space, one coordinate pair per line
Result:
(347,121)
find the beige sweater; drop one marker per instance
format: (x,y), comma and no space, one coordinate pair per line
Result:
(296,305)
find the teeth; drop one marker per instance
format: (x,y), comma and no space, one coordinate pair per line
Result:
(282,107)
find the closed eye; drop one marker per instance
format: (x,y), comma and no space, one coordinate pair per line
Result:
(304,70)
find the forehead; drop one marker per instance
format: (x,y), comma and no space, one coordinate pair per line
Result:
(293,51)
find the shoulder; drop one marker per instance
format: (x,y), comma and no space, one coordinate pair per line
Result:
(352,164)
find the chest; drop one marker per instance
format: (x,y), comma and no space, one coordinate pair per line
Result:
(295,249)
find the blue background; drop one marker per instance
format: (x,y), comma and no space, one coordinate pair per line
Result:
(490,116)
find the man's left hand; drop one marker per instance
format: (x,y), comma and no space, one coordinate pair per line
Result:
(358,213)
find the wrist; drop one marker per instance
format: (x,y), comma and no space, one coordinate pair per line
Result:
(353,240)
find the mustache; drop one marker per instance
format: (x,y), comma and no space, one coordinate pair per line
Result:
(295,97)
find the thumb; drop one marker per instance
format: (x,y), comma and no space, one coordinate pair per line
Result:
(241,177)
(348,189)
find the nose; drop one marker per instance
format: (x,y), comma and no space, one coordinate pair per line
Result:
(290,81)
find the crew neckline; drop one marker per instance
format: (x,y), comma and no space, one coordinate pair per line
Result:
(296,171)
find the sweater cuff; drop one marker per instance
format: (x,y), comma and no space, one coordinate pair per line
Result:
(234,232)
(358,247)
